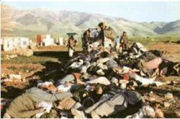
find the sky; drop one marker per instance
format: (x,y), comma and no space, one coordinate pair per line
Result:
(140,11)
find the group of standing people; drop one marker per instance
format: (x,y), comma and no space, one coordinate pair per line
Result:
(120,43)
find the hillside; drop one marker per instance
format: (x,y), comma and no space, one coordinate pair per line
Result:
(31,22)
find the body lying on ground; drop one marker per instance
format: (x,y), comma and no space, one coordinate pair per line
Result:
(25,104)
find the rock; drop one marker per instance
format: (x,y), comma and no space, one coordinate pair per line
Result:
(166,104)
(169,96)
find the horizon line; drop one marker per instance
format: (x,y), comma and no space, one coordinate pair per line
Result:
(90,13)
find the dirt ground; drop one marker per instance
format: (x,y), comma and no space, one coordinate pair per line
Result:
(51,69)
(170,51)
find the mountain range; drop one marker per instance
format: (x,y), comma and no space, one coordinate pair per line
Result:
(16,22)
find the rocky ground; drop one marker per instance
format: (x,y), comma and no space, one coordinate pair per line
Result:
(47,62)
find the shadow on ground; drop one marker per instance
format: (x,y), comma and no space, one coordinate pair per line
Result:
(61,55)
(53,70)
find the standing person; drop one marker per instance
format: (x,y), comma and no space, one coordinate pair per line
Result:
(124,41)
(71,45)
(38,40)
(85,40)
(101,34)
(117,44)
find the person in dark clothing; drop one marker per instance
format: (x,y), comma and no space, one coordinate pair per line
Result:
(124,41)
(101,34)
(85,40)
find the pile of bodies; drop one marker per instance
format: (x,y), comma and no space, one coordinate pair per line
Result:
(99,83)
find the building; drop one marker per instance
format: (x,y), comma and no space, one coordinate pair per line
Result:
(12,43)
(48,40)
(61,42)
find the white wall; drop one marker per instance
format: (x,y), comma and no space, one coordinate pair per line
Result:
(61,41)
(48,40)
(11,43)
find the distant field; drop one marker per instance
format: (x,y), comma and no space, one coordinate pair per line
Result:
(147,40)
